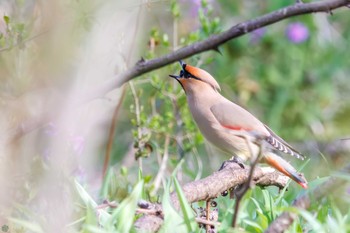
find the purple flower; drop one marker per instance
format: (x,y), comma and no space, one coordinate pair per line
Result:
(194,6)
(78,144)
(256,35)
(297,32)
(80,174)
(51,129)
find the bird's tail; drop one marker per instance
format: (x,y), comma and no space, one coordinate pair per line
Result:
(283,166)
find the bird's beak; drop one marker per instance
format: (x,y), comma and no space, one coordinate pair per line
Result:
(174,76)
(183,65)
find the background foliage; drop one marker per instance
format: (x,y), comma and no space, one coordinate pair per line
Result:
(292,75)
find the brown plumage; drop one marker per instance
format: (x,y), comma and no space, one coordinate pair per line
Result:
(219,119)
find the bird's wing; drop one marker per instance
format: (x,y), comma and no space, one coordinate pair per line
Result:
(281,145)
(234,117)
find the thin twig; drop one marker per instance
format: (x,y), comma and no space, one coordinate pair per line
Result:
(137,109)
(113,204)
(23,41)
(207,222)
(207,214)
(241,192)
(138,120)
(162,167)
(254,160)
(112,129)
(106,204)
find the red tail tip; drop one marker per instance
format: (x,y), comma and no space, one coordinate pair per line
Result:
(304,185)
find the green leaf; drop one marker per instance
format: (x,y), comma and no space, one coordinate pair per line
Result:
(172,219)
(140,175)
(178,167)
(96,229)
(89,201)
(124,171)
(281,195)
(125,213)
(317,226)
(20,27)
(76,222)
(6,19)
(166,40)
(263,220)
(187,211)
(254,225)
(86,198)
(258,208)
(105,184)
(148,178)
(91,218)
(266,196)
(175,10)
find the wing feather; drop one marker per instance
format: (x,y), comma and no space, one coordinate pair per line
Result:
(282,145)
(232,116)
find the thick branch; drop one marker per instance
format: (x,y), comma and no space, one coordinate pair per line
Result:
(148,223)
(231,176)
(212,42)
(282,223)
(212,186)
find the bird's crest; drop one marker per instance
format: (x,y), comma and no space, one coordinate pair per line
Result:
(199,74)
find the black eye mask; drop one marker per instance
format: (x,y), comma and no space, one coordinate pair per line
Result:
(184,73)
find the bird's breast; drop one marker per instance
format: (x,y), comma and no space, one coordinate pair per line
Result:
(215,133)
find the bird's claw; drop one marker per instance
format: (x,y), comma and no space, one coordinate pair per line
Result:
(233,160)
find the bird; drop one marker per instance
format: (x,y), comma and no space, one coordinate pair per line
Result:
(223,123)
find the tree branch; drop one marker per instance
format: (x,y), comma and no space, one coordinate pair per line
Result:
(212,42)
(215,41)
(231,176)
(212,186)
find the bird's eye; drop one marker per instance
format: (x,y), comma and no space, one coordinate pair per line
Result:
(181,73)
(185,74)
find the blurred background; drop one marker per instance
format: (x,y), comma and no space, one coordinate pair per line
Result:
(60,149)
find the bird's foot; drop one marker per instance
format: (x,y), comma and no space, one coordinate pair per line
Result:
(233,160)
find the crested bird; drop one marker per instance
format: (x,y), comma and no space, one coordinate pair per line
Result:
(221,122)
